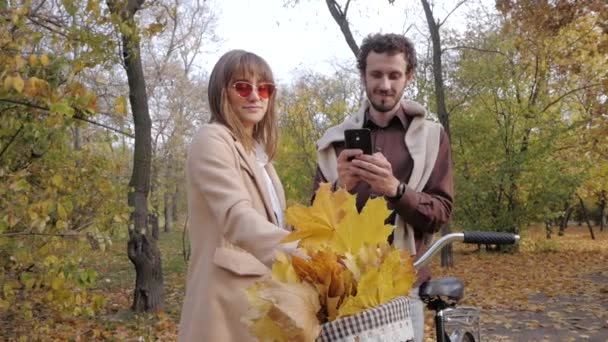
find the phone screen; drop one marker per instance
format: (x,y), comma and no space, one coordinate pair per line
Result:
(358,138)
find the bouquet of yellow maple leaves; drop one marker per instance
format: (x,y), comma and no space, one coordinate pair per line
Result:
(344,268)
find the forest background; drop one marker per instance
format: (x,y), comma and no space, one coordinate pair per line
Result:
(99,100)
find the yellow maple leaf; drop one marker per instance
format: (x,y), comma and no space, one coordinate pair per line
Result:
(294,309)
(349,267)
(393,277)
(282,269)
(367,296)
(324,268)
(282,311)
(268,330)
(331,279)
(367,258)
(257,317)
(368,227)
(396,276)
(258,309)
(315,226)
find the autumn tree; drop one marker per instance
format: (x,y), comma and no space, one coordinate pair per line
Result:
(142,248)
(434,27)
(524,111)
(52,179)
(308,107)
(177,92)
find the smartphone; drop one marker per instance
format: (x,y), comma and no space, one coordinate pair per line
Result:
(358,138)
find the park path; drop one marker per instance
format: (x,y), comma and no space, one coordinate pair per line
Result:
(582,317)
(554,290)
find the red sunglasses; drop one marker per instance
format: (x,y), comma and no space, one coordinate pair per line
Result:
(244,89)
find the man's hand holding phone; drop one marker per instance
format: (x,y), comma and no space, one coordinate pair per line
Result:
(376,171)
(347,175)
(356,143)
(357,163)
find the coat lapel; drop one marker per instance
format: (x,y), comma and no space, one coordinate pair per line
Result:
(253,168)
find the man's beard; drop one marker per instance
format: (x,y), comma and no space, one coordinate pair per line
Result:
(384,107)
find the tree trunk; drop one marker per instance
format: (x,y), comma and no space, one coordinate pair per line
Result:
(602,207)
(77,138)
(153,198)
(141,248)
(442,111)
(564,222)
(174,201)
(169,185)
(167,214)
(339,16)
(186,247)
(586,217)
(153,224)
(447,256)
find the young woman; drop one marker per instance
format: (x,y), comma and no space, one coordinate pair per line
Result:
(235,199)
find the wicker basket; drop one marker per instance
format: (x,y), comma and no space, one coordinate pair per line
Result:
(387,322)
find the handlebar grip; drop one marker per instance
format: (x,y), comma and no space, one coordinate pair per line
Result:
(490,238)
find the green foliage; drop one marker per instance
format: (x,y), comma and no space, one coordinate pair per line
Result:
(49,279)
(58,181)
(518,137)
(311,105)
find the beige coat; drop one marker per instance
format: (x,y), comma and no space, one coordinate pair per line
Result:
(233,232)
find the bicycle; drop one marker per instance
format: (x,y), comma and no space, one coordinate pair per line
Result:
(441,295)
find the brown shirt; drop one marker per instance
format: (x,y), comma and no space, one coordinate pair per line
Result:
(425,211)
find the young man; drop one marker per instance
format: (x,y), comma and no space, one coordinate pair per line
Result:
(411,163)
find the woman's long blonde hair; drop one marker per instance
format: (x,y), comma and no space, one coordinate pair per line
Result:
(242,63)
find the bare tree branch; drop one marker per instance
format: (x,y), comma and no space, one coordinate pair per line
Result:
(5,148)
(571,91)
(463,47)
(452,11)
(340,18)
(27,234)
(37,22)
(345,12)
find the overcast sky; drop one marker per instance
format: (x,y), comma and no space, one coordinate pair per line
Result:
(306,36)
(296,38)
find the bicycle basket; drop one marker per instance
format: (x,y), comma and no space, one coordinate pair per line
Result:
(387,322)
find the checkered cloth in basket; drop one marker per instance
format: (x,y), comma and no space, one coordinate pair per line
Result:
(387,322)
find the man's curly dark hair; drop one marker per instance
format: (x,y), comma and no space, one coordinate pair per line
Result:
(391,43)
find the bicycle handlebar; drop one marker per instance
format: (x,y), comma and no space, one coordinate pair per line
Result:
(490,238)
(485,238)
